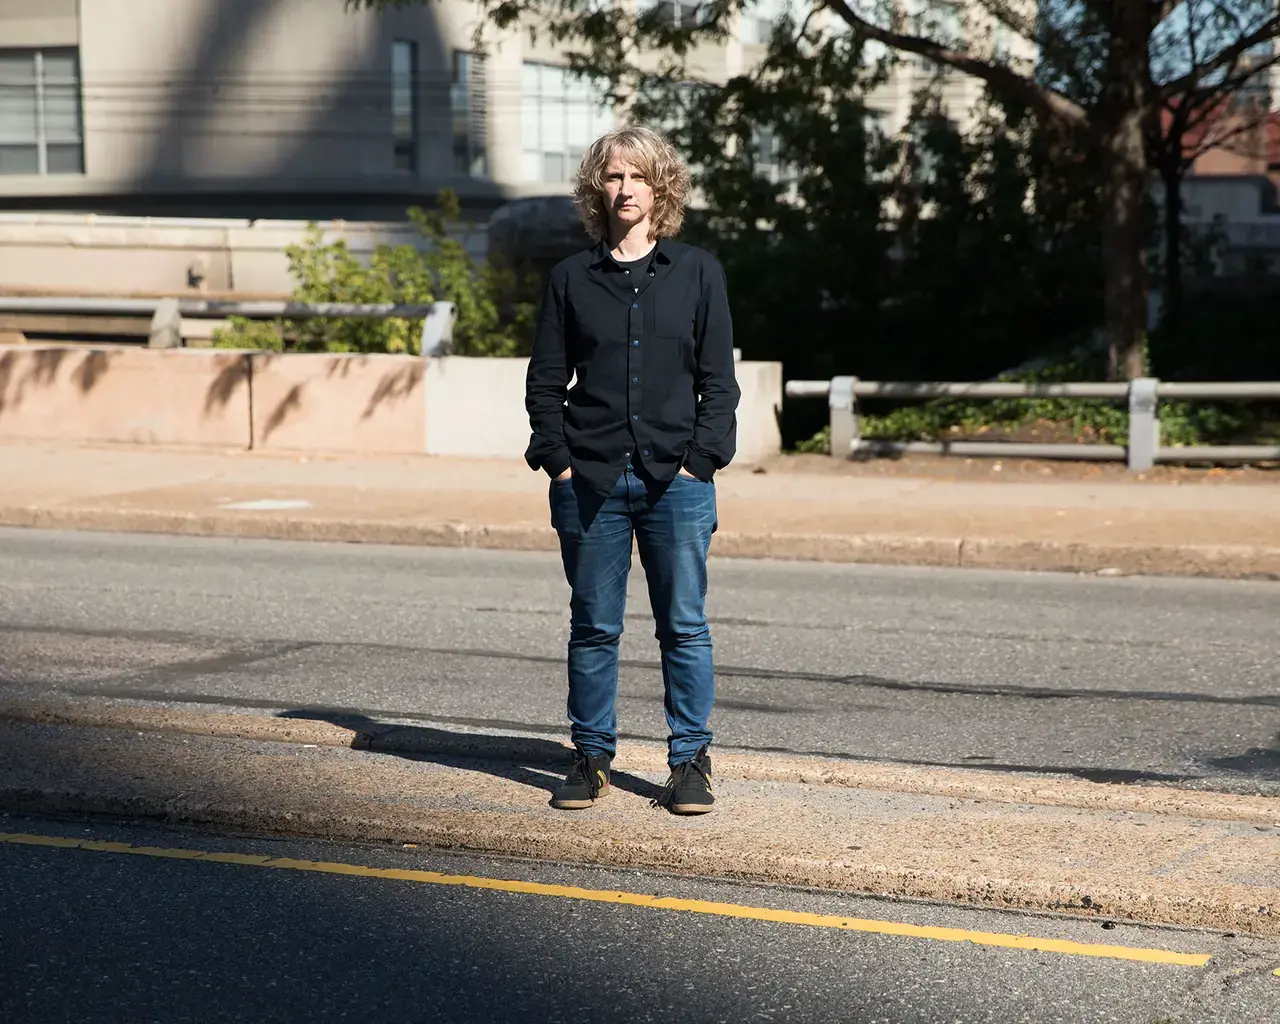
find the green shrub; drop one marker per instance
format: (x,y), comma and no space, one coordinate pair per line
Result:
(495,314)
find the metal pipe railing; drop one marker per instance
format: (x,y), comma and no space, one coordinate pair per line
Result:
(1142,452)
(166,314)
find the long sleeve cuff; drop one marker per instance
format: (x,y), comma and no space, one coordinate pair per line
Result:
(699,465)
(556,463)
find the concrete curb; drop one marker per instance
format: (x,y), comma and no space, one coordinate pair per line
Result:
(1221,561)
(1200,873)
(1229,908)
(954,783)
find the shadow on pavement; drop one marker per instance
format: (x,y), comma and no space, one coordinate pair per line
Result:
(1260,762)
(528,760)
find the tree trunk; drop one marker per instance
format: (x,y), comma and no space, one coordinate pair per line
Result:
(1123,115)
(1171,175)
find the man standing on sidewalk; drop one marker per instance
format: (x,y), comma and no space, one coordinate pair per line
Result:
(643,322)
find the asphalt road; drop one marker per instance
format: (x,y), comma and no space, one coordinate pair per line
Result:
(101,936)
(1154,680)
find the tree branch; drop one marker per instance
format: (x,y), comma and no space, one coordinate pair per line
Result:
(998,76)
(1227,58)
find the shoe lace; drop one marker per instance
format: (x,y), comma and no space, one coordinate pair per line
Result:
(583,770)
(678,774)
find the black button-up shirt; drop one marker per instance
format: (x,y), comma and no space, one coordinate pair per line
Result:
(651,344)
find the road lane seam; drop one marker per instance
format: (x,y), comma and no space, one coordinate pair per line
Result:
(623,898)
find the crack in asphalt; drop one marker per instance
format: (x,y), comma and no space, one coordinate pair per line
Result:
(263,651)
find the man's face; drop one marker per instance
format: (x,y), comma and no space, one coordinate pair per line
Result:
(627,192)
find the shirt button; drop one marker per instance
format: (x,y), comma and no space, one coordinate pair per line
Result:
(636,343)
(651,273)
(635,415)
(646,451)
(635,380)
(626,271)
(635,305)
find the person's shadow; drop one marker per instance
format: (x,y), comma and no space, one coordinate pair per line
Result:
(527,760)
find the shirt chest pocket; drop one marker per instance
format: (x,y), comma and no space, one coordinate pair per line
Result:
(674,320)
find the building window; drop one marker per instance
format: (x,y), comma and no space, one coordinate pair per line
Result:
(769,164)
(676,13)
(562,116)
(942,21)
(404,104)
(759,19)
(467,103)
(41,130)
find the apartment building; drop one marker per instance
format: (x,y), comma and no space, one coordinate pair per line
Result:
(303,109)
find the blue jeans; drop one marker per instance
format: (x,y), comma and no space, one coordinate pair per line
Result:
(672,524)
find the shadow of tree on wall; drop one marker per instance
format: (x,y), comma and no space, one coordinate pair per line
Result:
(401,382)
(235,371)
(395,387)
(29,370)
(291,403)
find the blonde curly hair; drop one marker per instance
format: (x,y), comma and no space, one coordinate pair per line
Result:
(655,157)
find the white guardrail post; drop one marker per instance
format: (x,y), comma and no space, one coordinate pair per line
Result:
(1144,423)
(166,325)
(843,407)
(437,329)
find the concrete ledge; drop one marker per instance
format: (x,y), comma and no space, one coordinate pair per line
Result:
(1108,865)
(957,783)
(1222,561)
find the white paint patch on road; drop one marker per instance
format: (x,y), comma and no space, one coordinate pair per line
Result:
(265,505)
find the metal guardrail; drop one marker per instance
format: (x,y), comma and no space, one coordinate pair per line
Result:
(1143,451)
(438,318)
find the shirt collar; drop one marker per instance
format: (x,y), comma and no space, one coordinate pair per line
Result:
(601,258)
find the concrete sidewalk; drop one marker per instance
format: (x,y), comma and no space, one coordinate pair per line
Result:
(790,508)
(988,839)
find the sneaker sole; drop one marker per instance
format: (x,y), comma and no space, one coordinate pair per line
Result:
(578,805)
(691,808)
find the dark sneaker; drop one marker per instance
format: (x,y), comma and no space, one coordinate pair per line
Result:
(588,781)
(688,791)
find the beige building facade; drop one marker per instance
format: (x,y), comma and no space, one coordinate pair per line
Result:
(302,109)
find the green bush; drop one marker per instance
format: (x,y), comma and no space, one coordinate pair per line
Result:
(495,313)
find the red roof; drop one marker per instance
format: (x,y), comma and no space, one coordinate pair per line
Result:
(1220,122)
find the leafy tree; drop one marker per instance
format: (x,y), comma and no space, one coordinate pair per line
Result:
(942,257)
(1100,81)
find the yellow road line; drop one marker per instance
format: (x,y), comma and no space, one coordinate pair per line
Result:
(1027,942)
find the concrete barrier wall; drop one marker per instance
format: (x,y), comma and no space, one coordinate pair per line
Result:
(458,387)
(475,406)
(358,404)
(338,403)
(759,433)
(73,393)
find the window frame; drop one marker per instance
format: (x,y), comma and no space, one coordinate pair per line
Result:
(42,140)
(400,145)
(596,109)
(469,70)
